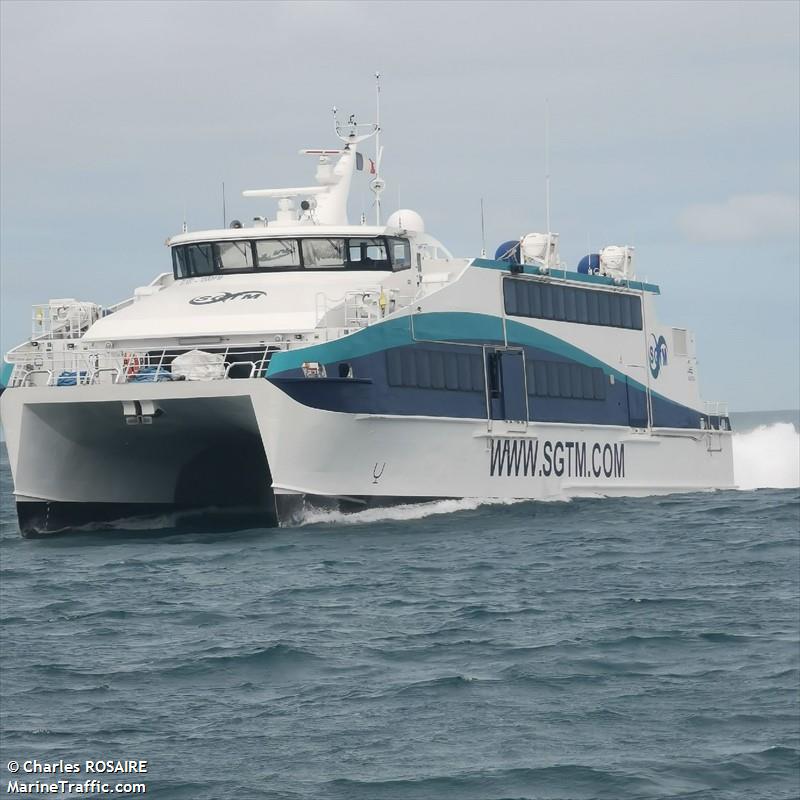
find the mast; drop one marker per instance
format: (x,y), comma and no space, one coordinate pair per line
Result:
(378,184)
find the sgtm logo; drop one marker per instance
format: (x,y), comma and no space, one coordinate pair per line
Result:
(658,354)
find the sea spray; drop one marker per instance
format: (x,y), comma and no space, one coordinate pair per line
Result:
(767,457)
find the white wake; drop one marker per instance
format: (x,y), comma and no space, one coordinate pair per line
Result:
(767,457)
(314,516)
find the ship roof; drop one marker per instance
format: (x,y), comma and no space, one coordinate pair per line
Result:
(283,232)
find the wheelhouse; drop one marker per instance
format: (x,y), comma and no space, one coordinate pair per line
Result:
(291,254)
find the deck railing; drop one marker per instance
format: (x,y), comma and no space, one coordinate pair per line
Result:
(74,367)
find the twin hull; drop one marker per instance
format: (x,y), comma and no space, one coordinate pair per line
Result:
(253,454)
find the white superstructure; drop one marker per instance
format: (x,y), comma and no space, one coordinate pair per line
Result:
(304,359)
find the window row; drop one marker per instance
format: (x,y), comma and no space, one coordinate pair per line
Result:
(565,380)
(420,368)
(209,258)
(526,298)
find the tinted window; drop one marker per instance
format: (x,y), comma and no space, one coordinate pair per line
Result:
(277,253)
(400,250)
(570,312)
(563,379)
(180,265)
(582,307)
(248,256)
(200,259)
(547,301)
(616,309)
(511,290)
(367,254)
(625,310)
(526,298)
(424,368)
(234,255)
(603,305)
(558,302)
(323,253)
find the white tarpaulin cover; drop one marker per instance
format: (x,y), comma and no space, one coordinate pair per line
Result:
(197,365)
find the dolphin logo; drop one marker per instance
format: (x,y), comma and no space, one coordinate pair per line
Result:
(657,355)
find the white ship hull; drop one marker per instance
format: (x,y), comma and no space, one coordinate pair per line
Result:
(256,456)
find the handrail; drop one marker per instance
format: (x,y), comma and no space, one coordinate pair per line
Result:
(96,372)
(89,365)
(28,372)
(240,364)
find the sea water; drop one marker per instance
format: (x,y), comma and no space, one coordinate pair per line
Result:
(596,648)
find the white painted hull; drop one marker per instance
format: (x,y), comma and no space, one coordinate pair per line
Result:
(71,448)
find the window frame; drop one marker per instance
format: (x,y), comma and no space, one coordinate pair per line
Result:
(179,252)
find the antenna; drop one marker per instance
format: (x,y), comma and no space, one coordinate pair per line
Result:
(224,212)
(547,162)
(377,183)
(184,227)
(483,234)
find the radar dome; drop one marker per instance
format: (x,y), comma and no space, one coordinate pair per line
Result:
(508,251)
(590,265)
(406,220)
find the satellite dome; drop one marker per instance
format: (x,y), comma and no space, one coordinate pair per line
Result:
(406,220)
(590,264)
(508,251)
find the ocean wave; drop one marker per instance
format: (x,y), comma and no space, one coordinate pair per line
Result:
(556,782)
(767,457)
(277,656)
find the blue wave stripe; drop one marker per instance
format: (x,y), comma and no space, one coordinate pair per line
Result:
(440,326)
(363,350)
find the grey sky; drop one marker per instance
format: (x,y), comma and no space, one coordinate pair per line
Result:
(674,128)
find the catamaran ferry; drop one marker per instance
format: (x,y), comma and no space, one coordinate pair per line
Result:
(305,360)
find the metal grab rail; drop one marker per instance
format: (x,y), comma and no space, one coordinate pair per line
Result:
(27,374)
(117,374)
(233,364)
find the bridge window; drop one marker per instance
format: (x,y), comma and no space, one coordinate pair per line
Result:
(234,255)
(208,258)
(401,253)
(277,254)
(323,253)
(193,259)
(367,254)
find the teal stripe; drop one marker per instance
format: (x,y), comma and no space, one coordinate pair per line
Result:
(438,327)
(601,280)
(382,336)
(5,374)
(458,326)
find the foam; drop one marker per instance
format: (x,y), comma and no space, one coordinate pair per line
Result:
(767,457)
(314,516)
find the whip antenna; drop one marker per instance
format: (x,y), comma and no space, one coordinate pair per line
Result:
(483,234)
(224,211)
(547,162)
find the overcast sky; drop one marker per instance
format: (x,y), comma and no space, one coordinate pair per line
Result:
(674,128)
